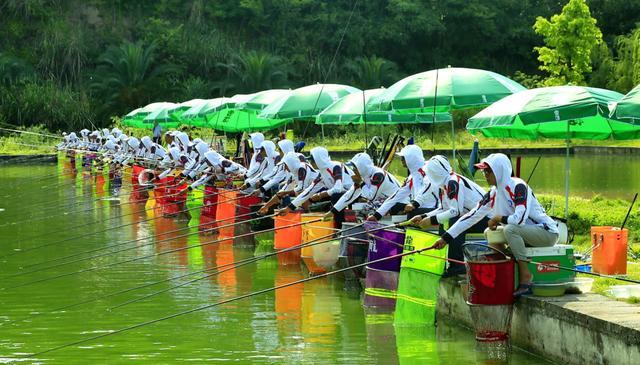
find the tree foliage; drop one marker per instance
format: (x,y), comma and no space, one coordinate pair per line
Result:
(128,76)
(109,57)
(569,37)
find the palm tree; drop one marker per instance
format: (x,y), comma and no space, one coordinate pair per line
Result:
(255,71)
(371,72)
(128,77)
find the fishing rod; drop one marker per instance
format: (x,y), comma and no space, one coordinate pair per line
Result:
(219,303)
(534,169)
(94,299)
(629,250)
(94,200)
(54,202)
(161,253)
(29,220)
(83,259)
(243,262)
(108,229)
(103,164)
(28,132)
(118,216)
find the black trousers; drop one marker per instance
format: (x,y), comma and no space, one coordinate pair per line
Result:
(339,216)
(455,248)
(398,208)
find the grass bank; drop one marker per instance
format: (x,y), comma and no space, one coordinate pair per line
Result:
(352,138)
(31,141)
(336,138)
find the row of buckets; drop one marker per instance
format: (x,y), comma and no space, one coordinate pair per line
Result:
(408,286)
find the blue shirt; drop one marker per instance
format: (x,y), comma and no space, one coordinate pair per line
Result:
(157,131)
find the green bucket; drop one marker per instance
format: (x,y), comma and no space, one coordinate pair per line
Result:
(432,261)
(418,284)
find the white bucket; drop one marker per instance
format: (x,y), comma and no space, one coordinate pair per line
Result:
(495,237)
(326,254)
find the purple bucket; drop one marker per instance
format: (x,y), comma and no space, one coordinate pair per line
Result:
(380,288)
(385,243)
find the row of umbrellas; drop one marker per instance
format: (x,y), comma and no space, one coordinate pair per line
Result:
(426,97)
(512,111)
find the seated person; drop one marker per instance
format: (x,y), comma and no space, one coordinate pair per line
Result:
(369,182)
(457,196)
(511,203)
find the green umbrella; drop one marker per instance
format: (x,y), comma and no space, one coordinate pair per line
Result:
(306,102)
(136,117)
(350,110)
(129,120)
(260,100)
(239,120)
(164,116)
(560,112)
(445,89)
(195,116)
(225,103)
(628,109)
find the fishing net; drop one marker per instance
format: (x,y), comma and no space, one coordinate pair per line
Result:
(490,283)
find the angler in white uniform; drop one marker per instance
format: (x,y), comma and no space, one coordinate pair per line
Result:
(512,204)
(417,195)
(196,163)
(64,143)
(267,166)
(279,173)
(370,182)
(219,167)
(300,176)
(334,176)
(174,160)
(256,158)
(457,196)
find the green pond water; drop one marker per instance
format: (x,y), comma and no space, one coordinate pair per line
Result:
(315,322)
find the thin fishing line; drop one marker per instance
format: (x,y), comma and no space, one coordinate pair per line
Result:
(208,306)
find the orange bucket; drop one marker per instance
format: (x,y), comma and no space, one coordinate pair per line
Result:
(287,237)
(609,246)
(226,211)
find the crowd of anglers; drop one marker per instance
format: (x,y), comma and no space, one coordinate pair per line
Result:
(285,179)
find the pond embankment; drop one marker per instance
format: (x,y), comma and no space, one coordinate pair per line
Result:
(572,329)
(37,158)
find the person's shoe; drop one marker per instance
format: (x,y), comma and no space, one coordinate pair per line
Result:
(523,289)
(454,271)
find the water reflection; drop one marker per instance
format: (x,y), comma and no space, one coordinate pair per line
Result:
(314,322)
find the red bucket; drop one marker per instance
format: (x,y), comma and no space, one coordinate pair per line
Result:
(209,202)
(491,282)
(490,273)
(244,207)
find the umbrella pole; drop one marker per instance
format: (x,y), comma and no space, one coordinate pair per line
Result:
(567,172)
(453,141)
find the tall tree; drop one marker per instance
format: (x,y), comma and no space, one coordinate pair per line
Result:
(128,76)
(256,71)
(570,37)
(371,72)
(627,63)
